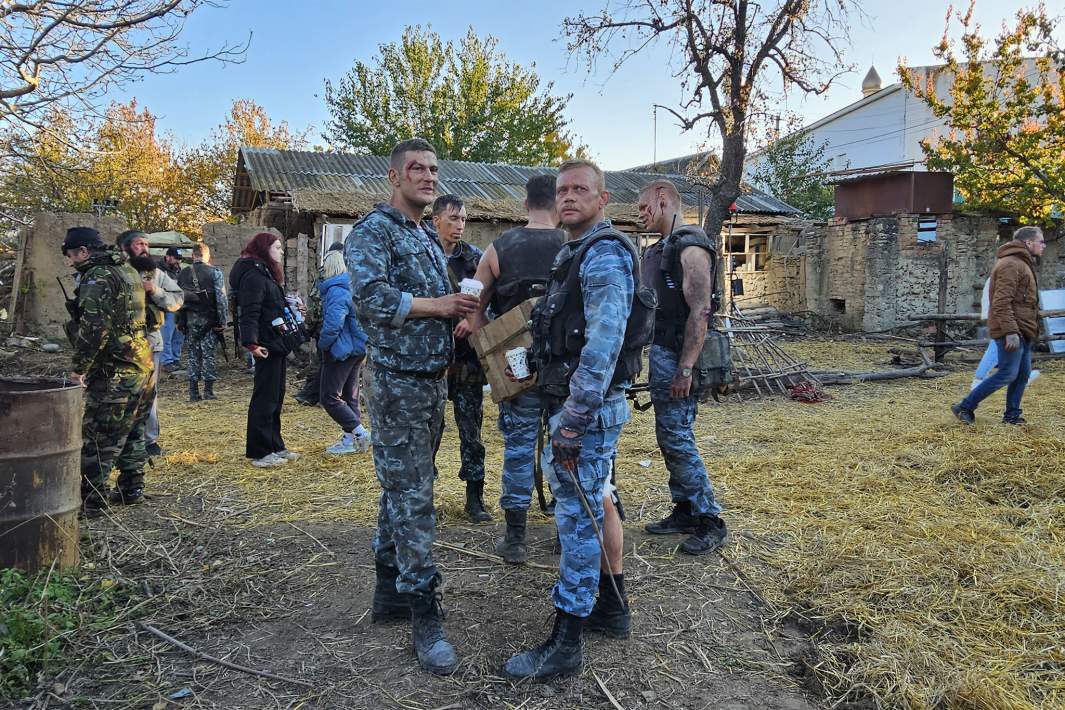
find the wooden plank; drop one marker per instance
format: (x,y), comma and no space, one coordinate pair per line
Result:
(303,285)
(510,330)
(25,236)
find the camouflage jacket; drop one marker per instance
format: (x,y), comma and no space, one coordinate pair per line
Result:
(393,260)
(608,284)
(109,335)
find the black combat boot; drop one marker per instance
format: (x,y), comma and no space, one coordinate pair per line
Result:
(208,389)
(435,653)
(710,533)
(194,391)
(475,502)
(610,615)
(132,496)
(557,657)
(388,604)
(93,506)
(680,520)
(512,547)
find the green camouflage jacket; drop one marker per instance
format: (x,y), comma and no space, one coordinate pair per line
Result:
(109,335)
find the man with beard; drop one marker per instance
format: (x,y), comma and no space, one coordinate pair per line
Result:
(406,306)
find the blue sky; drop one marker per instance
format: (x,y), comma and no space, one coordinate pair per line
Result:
(296,44)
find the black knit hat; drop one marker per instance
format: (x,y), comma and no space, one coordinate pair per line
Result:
(128,236)
(82,237)
(336,246)
(174,252)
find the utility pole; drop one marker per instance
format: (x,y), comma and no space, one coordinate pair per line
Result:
(654,141)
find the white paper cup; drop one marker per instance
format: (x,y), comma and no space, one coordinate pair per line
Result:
(472,287)
(519,364)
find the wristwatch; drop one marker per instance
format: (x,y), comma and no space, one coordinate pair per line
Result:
(685,372)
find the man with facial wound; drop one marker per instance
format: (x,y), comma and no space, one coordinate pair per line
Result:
(406,306)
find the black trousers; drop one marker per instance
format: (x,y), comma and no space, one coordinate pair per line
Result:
(264,411)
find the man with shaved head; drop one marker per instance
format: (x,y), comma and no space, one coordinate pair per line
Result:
(680,266)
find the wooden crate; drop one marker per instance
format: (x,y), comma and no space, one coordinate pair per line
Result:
(509,331)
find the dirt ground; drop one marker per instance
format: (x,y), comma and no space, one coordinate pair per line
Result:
(292,598)
(854,523)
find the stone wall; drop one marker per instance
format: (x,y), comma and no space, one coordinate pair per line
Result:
(37,301)
(873,274)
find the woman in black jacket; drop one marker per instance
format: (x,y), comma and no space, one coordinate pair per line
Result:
(256,278)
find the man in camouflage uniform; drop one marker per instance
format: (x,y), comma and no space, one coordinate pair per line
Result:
(405,305)
(163,298)
(203,318)
(465,378)
(584,363)
(680,267)
(113,361)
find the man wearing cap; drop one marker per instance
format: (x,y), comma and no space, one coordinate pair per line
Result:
(162,296)
(465,377)
(113,361)
(172,337)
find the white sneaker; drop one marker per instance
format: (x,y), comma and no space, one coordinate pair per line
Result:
(286,455)
(362,441)
(344,445)
(269,461)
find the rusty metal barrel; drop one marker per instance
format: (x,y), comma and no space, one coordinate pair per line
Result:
(40,472)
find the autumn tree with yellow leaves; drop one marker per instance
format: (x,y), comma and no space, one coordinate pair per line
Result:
(152,181)
(1005,115)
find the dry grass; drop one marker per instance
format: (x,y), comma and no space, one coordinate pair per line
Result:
(932,552)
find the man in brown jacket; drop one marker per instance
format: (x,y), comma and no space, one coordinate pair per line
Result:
(1013,320)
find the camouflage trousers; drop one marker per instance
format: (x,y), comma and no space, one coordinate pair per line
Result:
(578,567)
(112,430)
(406,419)
(688,479)
(201,356)
(519,423)
(468,406)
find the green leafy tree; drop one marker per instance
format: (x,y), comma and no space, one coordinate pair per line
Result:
(791,170)
(468,101)
(1005,112)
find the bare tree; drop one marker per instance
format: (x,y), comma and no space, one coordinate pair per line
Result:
(71,53)
(737,55)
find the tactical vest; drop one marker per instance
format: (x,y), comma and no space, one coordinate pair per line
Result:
(130,310)
(197,281)
(558,323)
(462,264)
(525,257)
(663,271)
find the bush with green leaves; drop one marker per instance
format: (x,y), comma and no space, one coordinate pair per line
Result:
(38,615)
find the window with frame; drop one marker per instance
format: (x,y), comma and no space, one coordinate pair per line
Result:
(746,252)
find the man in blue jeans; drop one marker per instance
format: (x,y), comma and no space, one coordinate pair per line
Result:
(172,337)
(1013,322)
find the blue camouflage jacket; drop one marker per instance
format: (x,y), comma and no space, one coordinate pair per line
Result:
(392,260)
(608,285)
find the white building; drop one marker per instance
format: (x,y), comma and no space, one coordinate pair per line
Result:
(884,128)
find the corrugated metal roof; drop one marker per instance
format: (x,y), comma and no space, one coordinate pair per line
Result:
(273,170)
